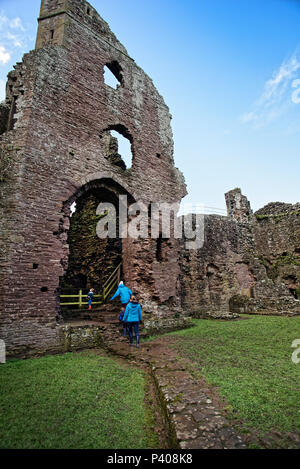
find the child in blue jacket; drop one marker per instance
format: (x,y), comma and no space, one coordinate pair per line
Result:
(90,297)
(133,316)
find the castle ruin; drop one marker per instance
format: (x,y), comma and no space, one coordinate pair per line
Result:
(57,148)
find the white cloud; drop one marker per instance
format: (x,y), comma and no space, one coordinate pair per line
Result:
(4,25)
(248,117)
(4,55)
(12,35)
(296,93)
(16,40)
(3,20)
(16,23)
(277,94)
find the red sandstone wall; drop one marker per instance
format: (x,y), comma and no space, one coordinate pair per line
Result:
(56,150)
(249,262)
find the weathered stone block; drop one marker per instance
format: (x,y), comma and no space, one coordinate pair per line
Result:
(2,351)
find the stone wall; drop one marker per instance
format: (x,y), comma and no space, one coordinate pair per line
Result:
(249,262)
(54,125)
(80,336)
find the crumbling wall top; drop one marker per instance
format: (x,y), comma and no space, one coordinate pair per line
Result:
(238,206)
(278,208)
(55,16)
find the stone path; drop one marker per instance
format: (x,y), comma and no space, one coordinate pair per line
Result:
(194,420)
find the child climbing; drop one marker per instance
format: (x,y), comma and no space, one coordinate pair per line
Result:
(90,297)
(133,316)
(125,295)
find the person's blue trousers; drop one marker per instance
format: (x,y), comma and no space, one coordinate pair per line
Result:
(124,329)
(133,326)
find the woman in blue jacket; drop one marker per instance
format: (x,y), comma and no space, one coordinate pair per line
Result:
(124,292)
(125,295)
(133,316)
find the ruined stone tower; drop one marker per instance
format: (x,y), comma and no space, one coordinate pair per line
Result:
(54,127)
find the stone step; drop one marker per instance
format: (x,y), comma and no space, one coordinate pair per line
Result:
(97,314)
(111,329)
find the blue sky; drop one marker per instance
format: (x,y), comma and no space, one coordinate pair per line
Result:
(229,70)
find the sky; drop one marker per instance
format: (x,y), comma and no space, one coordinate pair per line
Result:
(229,70)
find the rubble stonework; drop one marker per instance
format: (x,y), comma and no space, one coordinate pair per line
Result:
(248,263)
(56,149)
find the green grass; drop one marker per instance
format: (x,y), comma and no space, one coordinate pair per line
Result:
(78,400)
(250,363)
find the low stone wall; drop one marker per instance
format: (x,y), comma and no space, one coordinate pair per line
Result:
(85,333)
(280,305)
(79,336)
(192,417)
(156,325)
(194,422)
(30,339)
(224,315)
(59,339)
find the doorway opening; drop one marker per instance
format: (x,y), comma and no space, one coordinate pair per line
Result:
(92,262)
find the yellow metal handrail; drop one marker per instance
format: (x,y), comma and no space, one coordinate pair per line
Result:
(80,301)
(112,282)
(117,269)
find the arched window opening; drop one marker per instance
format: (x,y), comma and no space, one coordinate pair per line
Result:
(118,146)
(113,76)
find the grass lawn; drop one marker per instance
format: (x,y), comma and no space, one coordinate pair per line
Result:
(250,363)
(76,400)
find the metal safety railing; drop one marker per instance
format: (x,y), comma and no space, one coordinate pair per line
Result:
(201,210)
(82,299)
(112,282)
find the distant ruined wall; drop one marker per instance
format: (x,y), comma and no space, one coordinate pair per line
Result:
(249,262)
(277,238)
(54,125)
